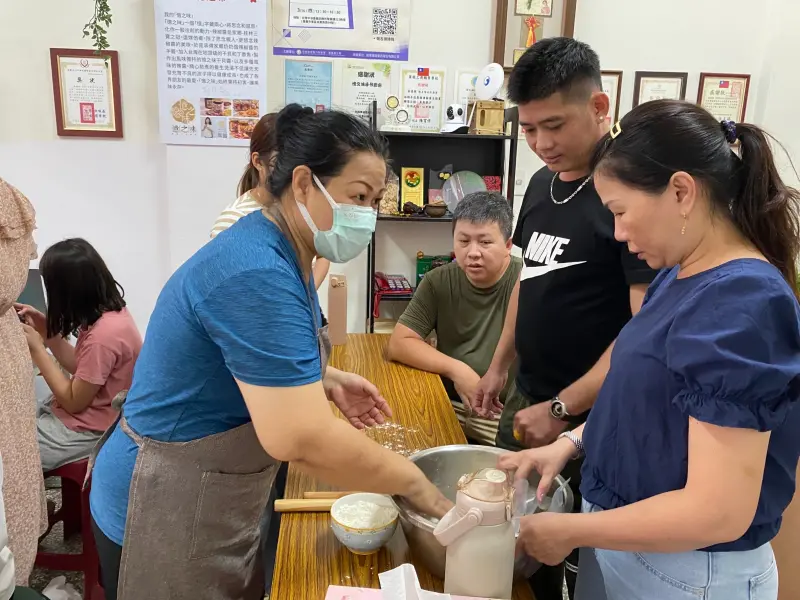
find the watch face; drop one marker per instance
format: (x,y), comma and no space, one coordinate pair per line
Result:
(557,409)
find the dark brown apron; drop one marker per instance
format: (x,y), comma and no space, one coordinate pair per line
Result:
(194,508)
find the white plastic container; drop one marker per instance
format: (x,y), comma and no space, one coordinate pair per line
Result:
(479,536)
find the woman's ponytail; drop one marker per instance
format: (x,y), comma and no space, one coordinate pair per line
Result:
(263,143)
(765,208)
(660,138)
(249,179)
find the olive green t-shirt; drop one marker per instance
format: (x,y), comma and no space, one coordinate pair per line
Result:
(468,320)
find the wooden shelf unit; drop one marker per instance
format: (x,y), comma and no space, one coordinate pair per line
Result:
(482,154)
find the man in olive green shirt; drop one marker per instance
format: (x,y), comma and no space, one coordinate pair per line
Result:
(465,302)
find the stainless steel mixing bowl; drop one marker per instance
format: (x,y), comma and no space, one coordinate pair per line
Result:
(444,466)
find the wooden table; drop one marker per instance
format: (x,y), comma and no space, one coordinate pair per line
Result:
(309,558)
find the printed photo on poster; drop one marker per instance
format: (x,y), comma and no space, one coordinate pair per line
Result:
(214,127)
(422,92)
(363,83)
(240,129)
(212,70)
(318,29)
(309,83)
(86,93)
(724,95)
(216,107)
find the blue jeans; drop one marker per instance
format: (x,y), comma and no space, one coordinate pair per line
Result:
(610,575)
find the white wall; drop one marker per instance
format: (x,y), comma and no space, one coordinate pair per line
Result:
(148,207)
(111,192)
(779,86)
(723,36)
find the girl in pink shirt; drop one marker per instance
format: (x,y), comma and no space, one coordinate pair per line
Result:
(86,302)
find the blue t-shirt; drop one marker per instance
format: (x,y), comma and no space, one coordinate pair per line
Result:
(237,309)
(723,347)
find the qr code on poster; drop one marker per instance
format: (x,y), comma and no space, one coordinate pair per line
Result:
(384,21)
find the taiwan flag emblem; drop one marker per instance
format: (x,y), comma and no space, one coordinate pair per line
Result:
(423,72)
(724,84)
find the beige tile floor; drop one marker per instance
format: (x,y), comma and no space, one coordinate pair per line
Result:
(55,542)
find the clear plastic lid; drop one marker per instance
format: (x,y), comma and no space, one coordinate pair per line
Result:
(486,485)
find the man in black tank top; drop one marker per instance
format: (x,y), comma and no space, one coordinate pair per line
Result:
(578,286)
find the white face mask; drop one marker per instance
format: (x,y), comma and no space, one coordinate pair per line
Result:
(350,233)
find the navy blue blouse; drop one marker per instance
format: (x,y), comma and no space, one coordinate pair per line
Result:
(722,346)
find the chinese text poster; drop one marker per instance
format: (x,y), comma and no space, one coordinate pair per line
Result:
(309,84)
(212,70)
(423,90)
(317,28)
(363,83)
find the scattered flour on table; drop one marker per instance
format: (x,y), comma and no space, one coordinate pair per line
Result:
(394,437)
(364,515)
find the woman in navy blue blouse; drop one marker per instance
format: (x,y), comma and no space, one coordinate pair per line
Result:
(693,441)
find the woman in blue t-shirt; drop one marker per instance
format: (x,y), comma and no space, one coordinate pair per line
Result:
(232,378)
(692,444)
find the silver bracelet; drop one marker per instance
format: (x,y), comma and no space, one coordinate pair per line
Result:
(575,440)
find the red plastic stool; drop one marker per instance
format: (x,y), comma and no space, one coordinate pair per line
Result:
(74,513)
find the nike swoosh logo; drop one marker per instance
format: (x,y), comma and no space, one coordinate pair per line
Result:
(529,272)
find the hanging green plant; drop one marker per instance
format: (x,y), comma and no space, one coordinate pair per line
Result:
(97,27)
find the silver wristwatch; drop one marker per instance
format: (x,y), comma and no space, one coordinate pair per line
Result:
(558,410)
(570,435)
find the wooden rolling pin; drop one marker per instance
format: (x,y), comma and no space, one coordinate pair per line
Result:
(325,495)
(304,505)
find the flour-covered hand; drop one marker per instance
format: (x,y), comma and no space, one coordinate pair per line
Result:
(487,394)
(358,399)
(465,380)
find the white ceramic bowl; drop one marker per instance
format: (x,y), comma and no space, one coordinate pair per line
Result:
(361,540)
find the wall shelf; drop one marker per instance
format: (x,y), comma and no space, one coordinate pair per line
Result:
(483,154)
(399,297)
(455,136)
(447,218)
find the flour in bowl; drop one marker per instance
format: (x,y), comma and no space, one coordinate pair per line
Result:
(364,515)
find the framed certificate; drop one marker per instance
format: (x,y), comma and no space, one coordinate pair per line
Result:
(724,95)
(86,93)
(521,23)
(612,86)
(654,85)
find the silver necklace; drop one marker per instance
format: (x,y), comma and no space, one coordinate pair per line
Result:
(572,195)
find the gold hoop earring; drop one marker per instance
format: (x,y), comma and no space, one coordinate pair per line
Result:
(683,229)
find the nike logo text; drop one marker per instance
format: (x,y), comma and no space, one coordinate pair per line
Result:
(544,248)
(528,272)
